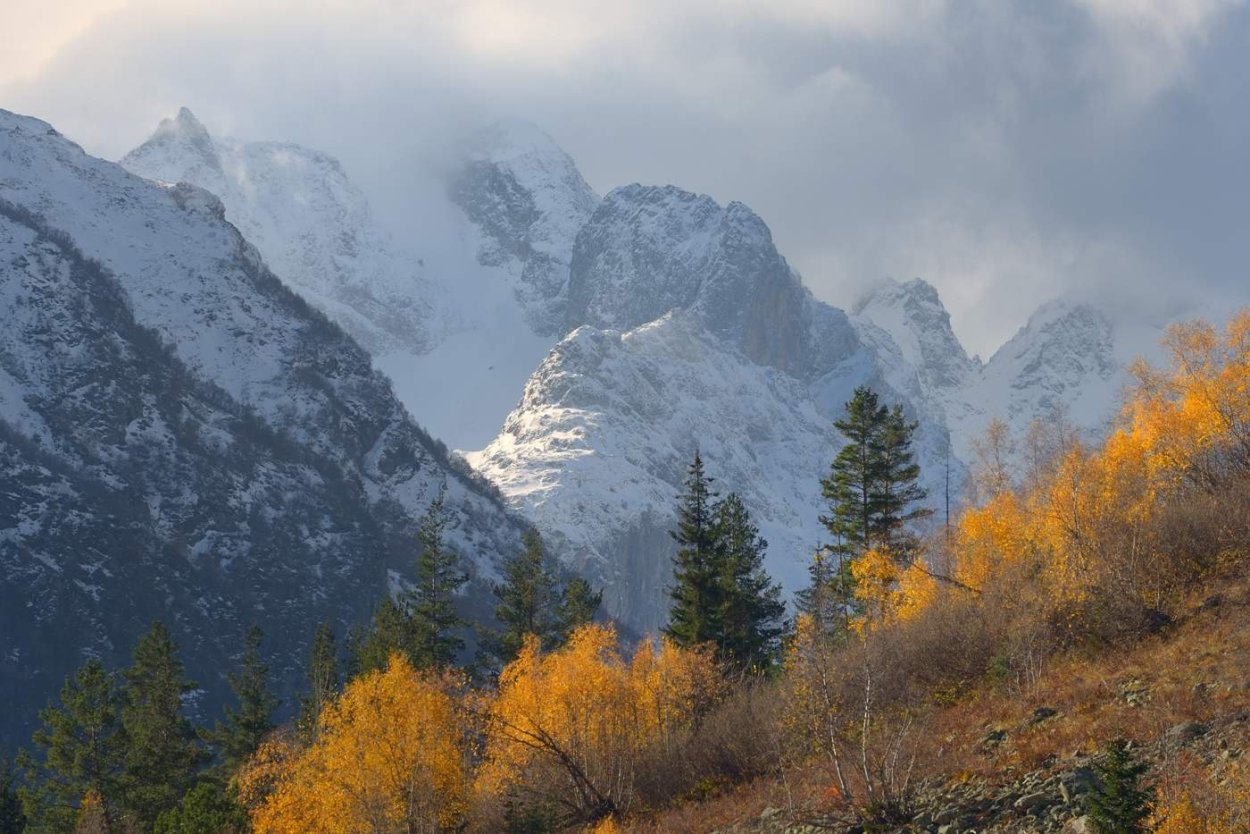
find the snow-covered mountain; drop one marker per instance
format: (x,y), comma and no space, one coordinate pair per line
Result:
(526,201)
(313,227)
(657,320)
(183,437)
(691,332)
(1069,358)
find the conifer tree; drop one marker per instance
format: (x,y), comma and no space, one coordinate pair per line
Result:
(528,600)
(162,753)
(694,615)
(578,605)
(898,492)
(12,820)
(246,726)
(82,753)
(751,610)
(323,679)
(1119,803)
(208,808)
(431,602)
(388,632)
(873,485)
(851,485)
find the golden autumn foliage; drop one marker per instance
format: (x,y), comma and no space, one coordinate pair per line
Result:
(1092,523)
(1185,817)
(389,758)
(573,726)
(889,592)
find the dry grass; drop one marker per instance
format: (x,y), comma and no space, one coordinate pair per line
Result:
(1198,670)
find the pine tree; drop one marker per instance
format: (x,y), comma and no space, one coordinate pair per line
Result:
(323,679)
(751,610)
(693,617)
(431,602)
(528,600)
(388,632)
(82,754)
(578,606)
(853,482)
(873,486)
(208,808)
(1119,803)
(12,820)
(898,494)
(253,720)
(162,753)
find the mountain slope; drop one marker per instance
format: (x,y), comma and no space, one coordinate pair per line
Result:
(312,226)
(698,335)
(191,440)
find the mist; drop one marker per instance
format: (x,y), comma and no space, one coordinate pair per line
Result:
(1007,152)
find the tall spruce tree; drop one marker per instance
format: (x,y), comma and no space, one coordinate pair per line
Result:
(852,485)
(81,748)
(388,632)
(578,605)
(696,599)
(1119,803)
(247,725)
(323,679)
(162,752)
(528,600)
(899,494)
(751,610)
(12,818)
(431,604)
(873,485)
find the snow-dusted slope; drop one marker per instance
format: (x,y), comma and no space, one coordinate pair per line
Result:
(697,334)
(597,449)
(314,229)
(462,313)
(184,437)
(1068,359)
(526,201)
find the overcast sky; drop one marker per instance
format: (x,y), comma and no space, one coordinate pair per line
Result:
(1007,152)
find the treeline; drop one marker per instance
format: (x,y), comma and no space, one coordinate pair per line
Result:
(560,727)
(117,752)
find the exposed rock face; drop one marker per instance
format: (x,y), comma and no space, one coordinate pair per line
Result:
(598,448)
(183,438)
(528,201)
(649,250)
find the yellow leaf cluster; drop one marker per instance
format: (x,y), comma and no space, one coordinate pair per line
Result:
(1185,817)
(889,592)
(1093,512)
(389,758)
(584,716)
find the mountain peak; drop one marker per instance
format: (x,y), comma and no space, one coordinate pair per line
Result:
(185,126)
(509,139)
(176,139)
(913,314)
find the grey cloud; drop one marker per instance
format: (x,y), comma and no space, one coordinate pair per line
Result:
(1006,152)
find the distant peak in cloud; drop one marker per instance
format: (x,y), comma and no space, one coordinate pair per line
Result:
(508,138)
(182,131)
